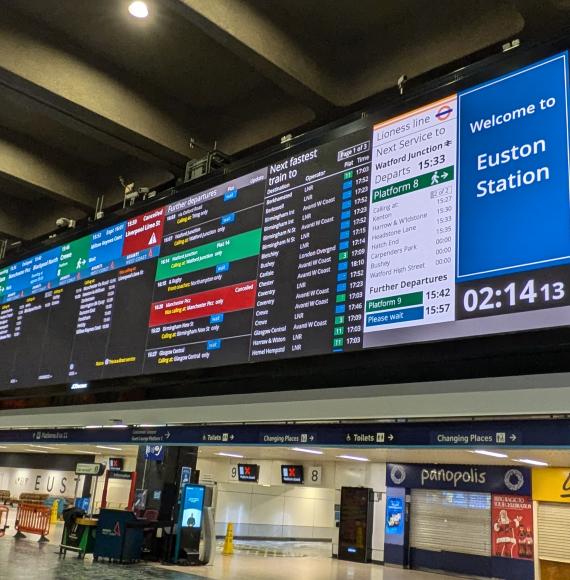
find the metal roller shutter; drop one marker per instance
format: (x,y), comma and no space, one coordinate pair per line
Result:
(451,521)
(554,532)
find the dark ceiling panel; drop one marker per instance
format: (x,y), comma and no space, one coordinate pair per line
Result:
(165,51)
(191,73)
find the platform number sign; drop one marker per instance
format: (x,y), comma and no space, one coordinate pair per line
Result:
(314,475)
(234,472)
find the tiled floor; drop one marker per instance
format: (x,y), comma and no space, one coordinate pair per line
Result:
(28,560)
(246,567)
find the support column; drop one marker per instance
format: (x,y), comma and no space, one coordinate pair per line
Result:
(162,478)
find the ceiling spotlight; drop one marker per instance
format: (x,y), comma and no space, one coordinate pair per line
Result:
(138,9)
(352,458)
(532,462)
(236,455)
(302,450)
(489,453)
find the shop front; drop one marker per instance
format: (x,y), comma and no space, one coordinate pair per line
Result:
(462,519)
(551,492)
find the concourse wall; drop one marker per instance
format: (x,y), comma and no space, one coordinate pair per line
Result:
(272,510)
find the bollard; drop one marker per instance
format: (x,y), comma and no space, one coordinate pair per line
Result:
(228,548)
(54,511)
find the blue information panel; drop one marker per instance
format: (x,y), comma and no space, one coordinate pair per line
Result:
(513,179)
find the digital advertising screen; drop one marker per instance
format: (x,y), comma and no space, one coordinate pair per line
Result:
(292,474)
(449,220)
(248,472)
(192,506)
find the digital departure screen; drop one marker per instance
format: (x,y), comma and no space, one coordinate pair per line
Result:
(248,472)
(450,220)
(292,474)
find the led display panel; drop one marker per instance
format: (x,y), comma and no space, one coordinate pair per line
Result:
(248,472)
(449,220)
(292,474)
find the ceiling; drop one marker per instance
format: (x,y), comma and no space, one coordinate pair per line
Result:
(89,95)
(71,449)
(553,457)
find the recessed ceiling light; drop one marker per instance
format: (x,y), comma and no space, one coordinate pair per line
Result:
(230,455)
(352,457)
(489,453)
(93,426)
(3,447)
(138,9)
(41,446)
(532,462)
(301,450)
(36,451)
(107,447)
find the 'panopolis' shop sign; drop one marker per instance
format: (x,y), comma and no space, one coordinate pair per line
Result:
(485,478)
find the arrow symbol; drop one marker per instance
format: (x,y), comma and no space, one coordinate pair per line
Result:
(312,438)
(232,437)
(444,174)
(513,437)
(167,435)
(390,437)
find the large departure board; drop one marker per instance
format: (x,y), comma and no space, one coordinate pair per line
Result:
(449,220)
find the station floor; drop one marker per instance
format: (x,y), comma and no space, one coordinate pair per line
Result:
(27,560)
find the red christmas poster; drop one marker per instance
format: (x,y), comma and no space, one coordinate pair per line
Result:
(512,528)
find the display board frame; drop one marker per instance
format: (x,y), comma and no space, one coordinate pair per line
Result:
(504,354)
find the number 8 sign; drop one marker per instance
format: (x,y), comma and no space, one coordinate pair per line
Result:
(315,475)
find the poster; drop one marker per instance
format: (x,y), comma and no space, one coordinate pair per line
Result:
(512,527)
(395,515)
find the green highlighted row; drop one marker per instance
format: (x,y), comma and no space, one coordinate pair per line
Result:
(431,179)
(228,250)
(401,301)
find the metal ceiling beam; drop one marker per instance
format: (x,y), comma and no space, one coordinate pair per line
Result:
(541,18)
(87,97)
(10,222)
(267,48)
(29,164)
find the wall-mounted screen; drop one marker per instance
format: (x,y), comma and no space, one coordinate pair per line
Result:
(248,472)
(116,463)
(292,474)
(449,220)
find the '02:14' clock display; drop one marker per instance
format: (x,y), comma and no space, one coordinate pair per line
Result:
(510,294)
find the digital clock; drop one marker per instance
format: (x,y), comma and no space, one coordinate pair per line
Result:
(516,293)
